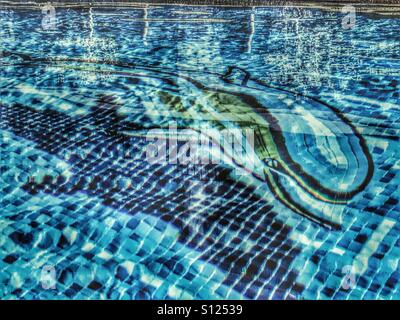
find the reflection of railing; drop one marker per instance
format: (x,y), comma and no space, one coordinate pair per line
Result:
(252,31)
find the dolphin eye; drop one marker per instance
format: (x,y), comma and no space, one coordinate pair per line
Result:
(272,163)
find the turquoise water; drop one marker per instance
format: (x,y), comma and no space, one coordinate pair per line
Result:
(314,213)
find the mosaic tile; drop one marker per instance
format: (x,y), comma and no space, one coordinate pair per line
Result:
(86,215)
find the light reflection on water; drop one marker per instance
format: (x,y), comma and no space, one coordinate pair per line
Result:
(73,95)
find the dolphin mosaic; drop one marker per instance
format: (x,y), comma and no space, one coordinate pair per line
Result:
(143,99)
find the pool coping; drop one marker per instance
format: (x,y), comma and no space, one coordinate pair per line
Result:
(223,3)
(379,8)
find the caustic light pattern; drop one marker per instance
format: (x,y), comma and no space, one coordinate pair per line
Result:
(310,211)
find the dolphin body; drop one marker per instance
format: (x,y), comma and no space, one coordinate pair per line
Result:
(231,101)
(274,166)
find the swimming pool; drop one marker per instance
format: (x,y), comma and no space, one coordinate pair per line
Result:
(117,181)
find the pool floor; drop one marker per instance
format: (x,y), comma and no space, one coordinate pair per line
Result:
(183,152)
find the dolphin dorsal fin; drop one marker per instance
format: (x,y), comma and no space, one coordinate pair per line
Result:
(236,75)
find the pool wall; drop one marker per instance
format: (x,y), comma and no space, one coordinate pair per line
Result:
(206,2)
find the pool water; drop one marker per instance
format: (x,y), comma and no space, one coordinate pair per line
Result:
(309,211)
